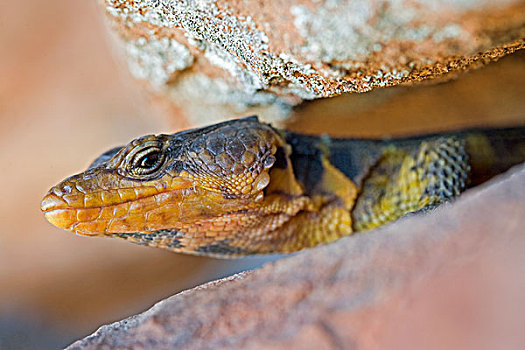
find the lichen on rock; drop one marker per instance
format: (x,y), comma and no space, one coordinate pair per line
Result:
(307,49)
(156,59)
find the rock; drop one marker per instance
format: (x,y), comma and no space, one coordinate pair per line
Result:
(220,59)
(453,278)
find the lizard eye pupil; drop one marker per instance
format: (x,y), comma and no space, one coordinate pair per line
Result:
(147,161)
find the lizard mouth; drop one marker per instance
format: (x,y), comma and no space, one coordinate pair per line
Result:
(67,219)
(104,212)
(58,212)
(126,216)
(134,210)
(138,215)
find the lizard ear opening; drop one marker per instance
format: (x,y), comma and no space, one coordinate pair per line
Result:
(105,157)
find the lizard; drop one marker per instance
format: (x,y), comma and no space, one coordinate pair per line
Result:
(243,187)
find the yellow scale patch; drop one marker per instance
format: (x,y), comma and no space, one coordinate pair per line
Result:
(391,193)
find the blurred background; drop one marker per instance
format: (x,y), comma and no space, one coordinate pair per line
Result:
(66,97)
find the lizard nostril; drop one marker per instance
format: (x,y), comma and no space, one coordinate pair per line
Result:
(61,190)
(57,191)
(67,189)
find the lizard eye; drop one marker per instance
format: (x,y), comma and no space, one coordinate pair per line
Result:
(147,160)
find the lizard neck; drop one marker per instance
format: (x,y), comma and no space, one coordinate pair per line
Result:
(352,157)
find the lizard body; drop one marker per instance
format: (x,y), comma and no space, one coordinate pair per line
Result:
(243,187)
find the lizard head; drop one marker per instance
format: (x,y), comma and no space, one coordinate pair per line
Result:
(192,181)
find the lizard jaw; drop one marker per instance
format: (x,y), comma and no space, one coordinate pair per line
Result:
(142,209)
(79,205)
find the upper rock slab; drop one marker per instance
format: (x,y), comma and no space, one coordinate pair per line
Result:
(245,56)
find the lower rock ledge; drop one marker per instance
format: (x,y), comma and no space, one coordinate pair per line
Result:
(451,279)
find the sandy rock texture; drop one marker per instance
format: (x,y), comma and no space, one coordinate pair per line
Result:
(218,59)
(452,279)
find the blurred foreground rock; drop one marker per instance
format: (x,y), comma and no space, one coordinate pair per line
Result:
(220,59)
(452,279)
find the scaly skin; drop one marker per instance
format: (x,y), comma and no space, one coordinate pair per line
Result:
(243,187)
